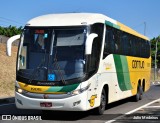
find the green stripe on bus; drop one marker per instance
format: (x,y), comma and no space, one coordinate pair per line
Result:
(112,24)
(123,76)
(67,88)
(119,71)
(126,72)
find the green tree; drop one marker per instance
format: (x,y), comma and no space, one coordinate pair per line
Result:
(153,50)
(10,30)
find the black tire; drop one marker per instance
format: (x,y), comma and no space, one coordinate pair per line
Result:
(141,92)
(138,96)
(100,110)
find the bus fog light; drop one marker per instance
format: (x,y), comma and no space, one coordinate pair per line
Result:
(76,103)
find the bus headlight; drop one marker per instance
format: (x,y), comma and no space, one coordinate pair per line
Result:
(79,91)
(19,90)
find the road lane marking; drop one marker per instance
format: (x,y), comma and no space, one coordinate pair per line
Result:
(7,104)
(154,101)
(152,107)
(132,111)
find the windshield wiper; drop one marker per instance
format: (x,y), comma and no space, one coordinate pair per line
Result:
(58,67)
(55,63)
(37,69)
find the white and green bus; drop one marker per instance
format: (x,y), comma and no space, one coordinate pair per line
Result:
(78,62)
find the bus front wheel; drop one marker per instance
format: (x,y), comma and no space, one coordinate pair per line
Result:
(100,110)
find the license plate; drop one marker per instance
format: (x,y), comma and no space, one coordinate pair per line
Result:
(46,104)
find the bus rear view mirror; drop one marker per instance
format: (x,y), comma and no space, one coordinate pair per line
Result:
(9,43)
(89,43)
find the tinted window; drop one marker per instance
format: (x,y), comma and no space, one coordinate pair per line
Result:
(119,42)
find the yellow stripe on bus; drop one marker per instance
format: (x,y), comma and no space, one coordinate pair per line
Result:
(139,69)
(131,31)
(37,89)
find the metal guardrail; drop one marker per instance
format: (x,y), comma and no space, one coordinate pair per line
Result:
(3,39)
(155,76)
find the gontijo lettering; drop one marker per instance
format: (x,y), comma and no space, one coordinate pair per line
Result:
(137,64)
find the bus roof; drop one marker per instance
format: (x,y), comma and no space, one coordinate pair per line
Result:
(77,19)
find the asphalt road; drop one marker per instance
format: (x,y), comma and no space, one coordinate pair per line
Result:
(113,110)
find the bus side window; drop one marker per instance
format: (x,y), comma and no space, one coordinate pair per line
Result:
(96,47)
(112,45)
(133,47)
(141,50)
(148,46)
(109,46)
(112,42)
(126,42)
(123,43)
(106,45)
(146,49)
(118,44)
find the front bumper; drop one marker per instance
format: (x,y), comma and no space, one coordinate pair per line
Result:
(72,103)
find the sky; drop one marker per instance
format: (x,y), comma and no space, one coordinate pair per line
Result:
(133,13)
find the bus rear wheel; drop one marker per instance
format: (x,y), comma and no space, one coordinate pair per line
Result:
(139,94)
(100,110)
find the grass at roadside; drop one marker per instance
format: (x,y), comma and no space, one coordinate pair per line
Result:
(7,71)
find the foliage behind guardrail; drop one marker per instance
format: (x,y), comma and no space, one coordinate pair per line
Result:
(10,31)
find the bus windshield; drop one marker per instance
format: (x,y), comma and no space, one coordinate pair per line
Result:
(48,54)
